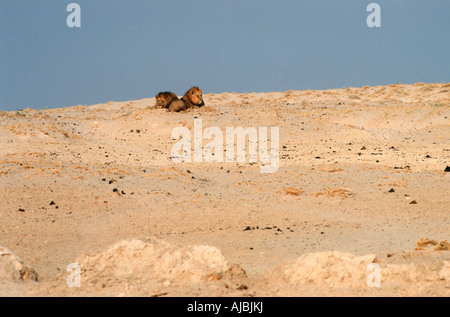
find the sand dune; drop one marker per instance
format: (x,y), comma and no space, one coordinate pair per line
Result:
(362,178)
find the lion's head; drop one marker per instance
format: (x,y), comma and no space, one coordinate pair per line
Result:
(163,99)
(194,97)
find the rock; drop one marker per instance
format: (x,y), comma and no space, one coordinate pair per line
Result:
(443,245)
(12,268)
(136,261)
(294,191)
(334,269)
(425,242)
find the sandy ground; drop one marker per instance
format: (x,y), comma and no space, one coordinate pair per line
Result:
(361,180)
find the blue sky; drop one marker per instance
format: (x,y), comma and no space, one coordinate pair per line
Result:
(127,50)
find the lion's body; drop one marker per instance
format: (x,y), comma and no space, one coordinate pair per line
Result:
(178,105)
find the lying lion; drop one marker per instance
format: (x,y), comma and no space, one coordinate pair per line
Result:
(192,98)
(163,99)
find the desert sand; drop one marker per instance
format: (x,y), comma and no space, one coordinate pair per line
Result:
(362,179)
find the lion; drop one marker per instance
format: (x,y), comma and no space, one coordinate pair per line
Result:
(193,97)
(164,99)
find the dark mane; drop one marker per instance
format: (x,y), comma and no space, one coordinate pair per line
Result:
(192,88)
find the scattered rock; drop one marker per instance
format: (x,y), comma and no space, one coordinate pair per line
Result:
(407,167)
(447,169)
